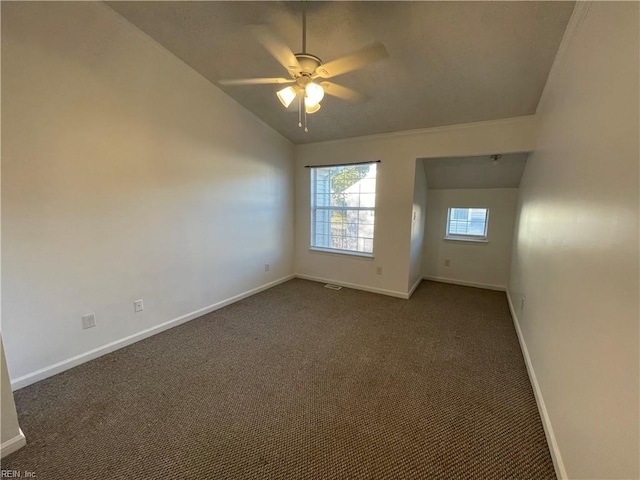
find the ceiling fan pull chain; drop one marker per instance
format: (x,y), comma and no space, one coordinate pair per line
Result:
(306,130)
(300,111)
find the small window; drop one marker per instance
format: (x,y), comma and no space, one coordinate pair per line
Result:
(343,200)
(467,223)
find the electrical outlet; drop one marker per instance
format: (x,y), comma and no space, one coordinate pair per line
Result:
(521,303)
(138,306)
(89,320)
(266,267)
(447,262)
(379,271)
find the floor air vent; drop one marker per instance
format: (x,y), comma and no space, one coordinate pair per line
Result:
(332,286)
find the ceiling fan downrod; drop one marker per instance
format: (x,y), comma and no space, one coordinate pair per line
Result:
(304,28)
(302,109)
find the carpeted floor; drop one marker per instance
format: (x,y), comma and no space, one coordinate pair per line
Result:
(300,382)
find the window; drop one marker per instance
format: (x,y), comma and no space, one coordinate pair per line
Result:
(343,211)
(467,223)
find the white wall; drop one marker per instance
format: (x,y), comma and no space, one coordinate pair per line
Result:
(125,175)
(419,211)
(479,264)
(575,257)
(394,199)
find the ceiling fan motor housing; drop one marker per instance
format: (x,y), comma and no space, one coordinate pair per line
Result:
(308,63)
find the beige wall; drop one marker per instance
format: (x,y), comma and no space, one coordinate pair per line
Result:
(11,437)
(395,197)
(479,264)
(575,257)
(125,175)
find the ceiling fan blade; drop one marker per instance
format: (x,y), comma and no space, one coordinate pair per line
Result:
(345,93)
(276,47)
(352,62)
(255,81)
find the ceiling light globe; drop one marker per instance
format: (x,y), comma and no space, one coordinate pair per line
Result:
(313,93)
(286,96)
(311,109)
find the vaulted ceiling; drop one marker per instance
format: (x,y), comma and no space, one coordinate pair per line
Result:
(450,62)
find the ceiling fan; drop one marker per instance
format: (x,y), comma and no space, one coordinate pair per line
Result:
(305,71)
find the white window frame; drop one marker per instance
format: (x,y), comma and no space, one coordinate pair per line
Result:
(315,208)
(467,237)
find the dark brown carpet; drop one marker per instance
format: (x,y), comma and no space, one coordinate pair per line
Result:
(300,382)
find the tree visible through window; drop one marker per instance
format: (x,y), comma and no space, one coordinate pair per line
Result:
(343,207)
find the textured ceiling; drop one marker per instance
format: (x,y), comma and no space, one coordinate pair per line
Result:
(450,62)
(475,172)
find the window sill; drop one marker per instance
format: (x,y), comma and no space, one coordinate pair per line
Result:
(465,239)
(347,253)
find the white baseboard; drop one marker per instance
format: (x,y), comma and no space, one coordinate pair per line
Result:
(59,367)
(391,293)
(558,464)
(13,444)
(488,286)
(413,289)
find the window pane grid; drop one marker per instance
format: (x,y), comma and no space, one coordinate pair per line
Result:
(469,222)
(343,207)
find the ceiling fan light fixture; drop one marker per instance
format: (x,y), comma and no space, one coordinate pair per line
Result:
(304,68)
(311,108)
(314,93)
(286,96)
